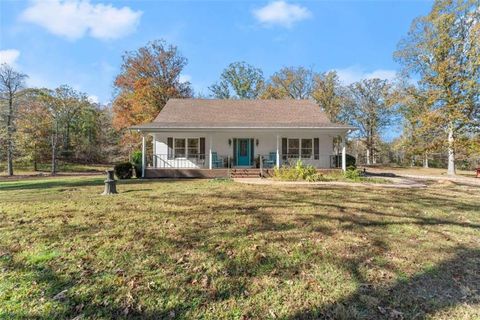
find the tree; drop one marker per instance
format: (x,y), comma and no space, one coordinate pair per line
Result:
(443,50)
(11,84)
(33,127)
(53,108)
(291,83)
(71,103)
(239,80)
(369,109)
(330,95)
(148,78)
(94,138)
(413,106)
(63,106)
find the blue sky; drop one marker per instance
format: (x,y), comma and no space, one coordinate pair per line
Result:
(80,43)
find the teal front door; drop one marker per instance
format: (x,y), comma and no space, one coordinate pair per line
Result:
(243,152)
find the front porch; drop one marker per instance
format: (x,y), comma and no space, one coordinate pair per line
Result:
(193,154)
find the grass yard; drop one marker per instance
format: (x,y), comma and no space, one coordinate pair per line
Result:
(420,171)
(224,250)
(45,168)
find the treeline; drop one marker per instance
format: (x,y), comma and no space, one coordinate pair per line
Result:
(367,104)
(435,99)
(51,125)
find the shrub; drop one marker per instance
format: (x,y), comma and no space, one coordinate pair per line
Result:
(137,163)
(352,173)
(351,161)
(298,172)
(123,170)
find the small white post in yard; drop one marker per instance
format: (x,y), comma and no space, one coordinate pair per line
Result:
(344,155)
(210,152)
(278,152)
(144,156)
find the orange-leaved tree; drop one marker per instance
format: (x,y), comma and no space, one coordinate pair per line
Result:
(149,77)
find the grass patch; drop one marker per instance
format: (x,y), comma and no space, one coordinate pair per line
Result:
(216,249)
(27,169)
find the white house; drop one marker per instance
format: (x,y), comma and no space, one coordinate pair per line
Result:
(195,135)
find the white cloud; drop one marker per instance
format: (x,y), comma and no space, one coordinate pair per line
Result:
(281,13)
(93,99)
(185,78)
(353,74)
(74,19)
(9,56)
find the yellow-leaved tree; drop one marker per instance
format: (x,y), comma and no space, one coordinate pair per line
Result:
(442,51)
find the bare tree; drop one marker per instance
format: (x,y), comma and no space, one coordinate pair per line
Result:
(11,84)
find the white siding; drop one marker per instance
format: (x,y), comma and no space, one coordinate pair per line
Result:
(267,142)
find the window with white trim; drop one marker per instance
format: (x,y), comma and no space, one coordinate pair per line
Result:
(300,148)
(179,148)
(293,147)
(307,148)
(186,147)
(193,147)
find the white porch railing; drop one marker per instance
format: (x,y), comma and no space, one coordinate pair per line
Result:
(164,161)
(201,161)
(318,161)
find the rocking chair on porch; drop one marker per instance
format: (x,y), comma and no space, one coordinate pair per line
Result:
(217,162)
(271,161)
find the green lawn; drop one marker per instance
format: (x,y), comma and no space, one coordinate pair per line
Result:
(45,168)
(224,250)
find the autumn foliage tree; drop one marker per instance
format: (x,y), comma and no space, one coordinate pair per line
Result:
(442,49)
(149,77)
(34,125)
(330,95)
(416,138)
(239,80)
(290,83)
(369,108)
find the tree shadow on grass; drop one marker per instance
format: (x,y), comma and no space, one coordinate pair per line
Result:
(50,183)
(453,282)
(60,182)
(450,283)
(60,292)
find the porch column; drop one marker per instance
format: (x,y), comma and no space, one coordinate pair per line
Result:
(210,152)
(278,152)
(144,156)
(344,155)
(154,148)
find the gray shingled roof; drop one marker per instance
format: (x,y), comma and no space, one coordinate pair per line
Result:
(219,113)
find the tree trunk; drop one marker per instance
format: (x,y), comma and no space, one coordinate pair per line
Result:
(9,137)
(451,152)
(54,160)
(54,149)
(368,156)
(425,160)
(9,154)
(34,157)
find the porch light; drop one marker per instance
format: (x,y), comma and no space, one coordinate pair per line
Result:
(256,142)
(229,142)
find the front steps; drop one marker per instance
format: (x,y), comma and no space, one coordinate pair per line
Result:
(236,173)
